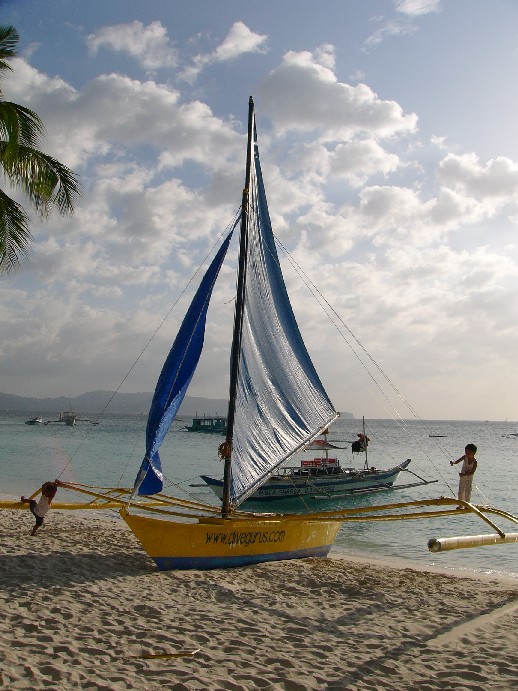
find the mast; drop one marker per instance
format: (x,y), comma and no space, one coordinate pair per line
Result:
(225,449)
(365,444)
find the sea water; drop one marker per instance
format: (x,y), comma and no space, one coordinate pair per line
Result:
(109,454)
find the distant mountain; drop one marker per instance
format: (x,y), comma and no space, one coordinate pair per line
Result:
(122,404)
(96,402)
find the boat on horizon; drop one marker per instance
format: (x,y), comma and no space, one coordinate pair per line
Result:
(69,418)
(208,425)
(35,421)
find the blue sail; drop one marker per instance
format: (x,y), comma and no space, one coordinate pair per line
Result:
(175,378)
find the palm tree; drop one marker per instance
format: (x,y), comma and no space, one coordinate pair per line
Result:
(46,182)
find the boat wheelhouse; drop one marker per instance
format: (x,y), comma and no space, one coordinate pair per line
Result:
(208,425)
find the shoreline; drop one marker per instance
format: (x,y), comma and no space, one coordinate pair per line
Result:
(84,607)
(395,563)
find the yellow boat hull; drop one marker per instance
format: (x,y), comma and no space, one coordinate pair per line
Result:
(217,543)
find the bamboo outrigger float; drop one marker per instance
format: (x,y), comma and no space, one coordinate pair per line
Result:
(446,544)
(104,498)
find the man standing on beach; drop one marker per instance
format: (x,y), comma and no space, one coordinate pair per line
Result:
(467,471)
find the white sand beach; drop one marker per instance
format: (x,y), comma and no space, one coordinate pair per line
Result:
(82,605)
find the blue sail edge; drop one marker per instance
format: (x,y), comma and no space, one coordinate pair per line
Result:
(176,376)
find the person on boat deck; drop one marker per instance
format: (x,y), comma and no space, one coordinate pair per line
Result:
(40,508)
(364,440)
(469,465)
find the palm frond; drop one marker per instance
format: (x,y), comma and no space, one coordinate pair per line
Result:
(15,236)
(46,181)
(19,126)
(8,40)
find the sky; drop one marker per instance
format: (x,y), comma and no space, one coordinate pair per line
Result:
(387,134)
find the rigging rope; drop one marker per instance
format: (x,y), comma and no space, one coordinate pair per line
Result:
(217,242)
(334,317)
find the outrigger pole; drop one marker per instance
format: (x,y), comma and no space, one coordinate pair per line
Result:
(102,498)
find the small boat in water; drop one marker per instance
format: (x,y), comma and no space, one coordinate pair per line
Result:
(208,425)
(35,421)
(68,418)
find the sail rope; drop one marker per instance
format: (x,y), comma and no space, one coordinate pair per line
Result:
(338,322)
(231,225)
(136,440)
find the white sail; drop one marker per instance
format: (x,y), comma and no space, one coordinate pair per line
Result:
(281,403)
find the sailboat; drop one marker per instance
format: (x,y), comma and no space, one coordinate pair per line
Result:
(277,407)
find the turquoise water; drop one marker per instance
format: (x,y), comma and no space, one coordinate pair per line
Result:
(109,454)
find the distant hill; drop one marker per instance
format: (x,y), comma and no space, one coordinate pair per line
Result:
(122,404)
(96,401)
(346,415)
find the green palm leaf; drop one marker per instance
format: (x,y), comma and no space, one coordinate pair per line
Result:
(8,41)
(47,183)
(15,236)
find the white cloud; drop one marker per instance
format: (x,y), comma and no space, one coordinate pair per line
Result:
(325,55)
(357,161)
(389,29)
(497,179)
(135,114)
(239,40)
(302,94)
(416,310)
(136,215)
(351,161)
(149,45)
(25,83)
(393,215)
(416,8)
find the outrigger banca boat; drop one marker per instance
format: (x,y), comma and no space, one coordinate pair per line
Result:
(277,406)
(322,476)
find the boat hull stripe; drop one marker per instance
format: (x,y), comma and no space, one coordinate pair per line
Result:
(207,563)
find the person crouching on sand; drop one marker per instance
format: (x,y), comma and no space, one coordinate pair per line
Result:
(467,471)
(40,508)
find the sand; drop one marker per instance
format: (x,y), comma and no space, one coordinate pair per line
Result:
(82,605)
